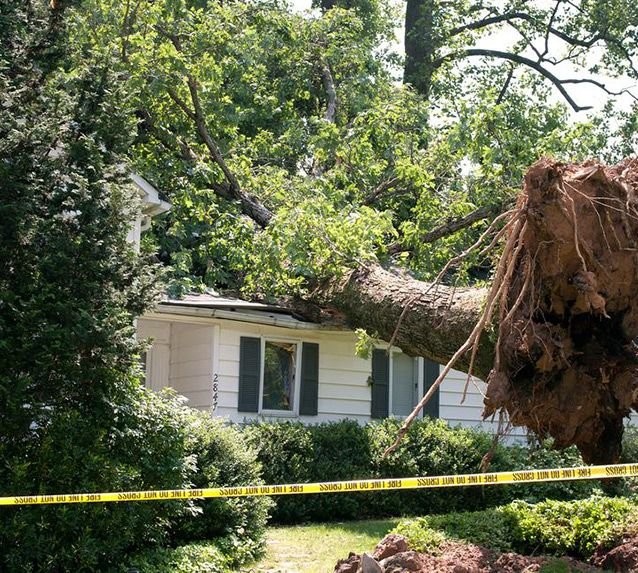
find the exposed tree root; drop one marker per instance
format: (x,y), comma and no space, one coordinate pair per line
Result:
(566,361)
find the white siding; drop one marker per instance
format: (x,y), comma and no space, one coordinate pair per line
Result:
(188,355)
(158,334)
(343,378)
(191,364)
(469,413)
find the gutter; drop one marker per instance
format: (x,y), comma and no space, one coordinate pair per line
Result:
(238,316)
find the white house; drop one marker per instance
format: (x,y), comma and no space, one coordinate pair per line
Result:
(244,360)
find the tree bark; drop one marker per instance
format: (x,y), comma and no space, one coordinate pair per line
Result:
(564,362)
(422,319)
(419,45)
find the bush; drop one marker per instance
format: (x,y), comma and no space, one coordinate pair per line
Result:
(143,448)
(575,528)
(293,453)
(191,558)
(431,447)
(491,528)
(224,459)
(154,442)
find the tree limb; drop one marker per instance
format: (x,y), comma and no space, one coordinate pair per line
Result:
(469,52)
(379,190)
(549,27)
(600,85)
(508,16)
(180,103)
(449,227)
(331,93)
(506,84)
(485,22)
(250,205)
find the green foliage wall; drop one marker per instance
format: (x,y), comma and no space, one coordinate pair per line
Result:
(292,453)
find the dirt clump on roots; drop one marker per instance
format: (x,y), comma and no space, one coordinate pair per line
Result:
(623,558)
(566,289)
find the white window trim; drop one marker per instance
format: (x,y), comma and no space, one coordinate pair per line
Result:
(294,413)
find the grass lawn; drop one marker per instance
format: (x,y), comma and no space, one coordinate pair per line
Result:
(315,548)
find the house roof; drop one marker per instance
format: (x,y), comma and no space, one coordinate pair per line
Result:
(209,300)
(215,306)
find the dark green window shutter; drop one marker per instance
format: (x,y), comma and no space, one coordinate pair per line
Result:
(431,372)
(309,391)
(249,374)
(380,384)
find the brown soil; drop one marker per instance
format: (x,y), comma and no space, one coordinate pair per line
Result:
(468,558)
(623,558)
(455,557)
(567,364)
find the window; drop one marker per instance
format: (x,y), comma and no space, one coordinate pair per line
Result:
(399,381)
(404,384)
(280,367)
(278,376)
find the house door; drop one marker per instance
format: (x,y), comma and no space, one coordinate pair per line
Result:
(404,384)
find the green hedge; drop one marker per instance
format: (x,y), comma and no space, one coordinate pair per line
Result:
(223,458)
(574,528)
(153,442)
(291,452)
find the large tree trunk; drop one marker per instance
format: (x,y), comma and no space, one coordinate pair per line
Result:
(422,319)
(419,45)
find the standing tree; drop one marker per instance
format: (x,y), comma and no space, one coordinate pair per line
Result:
(300,169)
(73,416)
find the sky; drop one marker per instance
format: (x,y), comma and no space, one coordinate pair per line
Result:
(583,94)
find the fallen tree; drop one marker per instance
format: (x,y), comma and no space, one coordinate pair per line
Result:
(560,357)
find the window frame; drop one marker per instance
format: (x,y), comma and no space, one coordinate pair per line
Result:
(294,412)
(418,364)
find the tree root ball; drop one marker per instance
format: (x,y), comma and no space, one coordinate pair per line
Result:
(566,358)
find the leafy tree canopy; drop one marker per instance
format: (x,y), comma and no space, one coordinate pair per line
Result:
(291,151)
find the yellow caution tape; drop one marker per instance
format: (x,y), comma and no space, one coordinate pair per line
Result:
(524,476)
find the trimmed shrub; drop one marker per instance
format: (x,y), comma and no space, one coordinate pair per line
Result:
(431,447)
(224,458)
(154,442)
(143,448)
(291,452)
(541,456)
(575,528)
(285,451)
